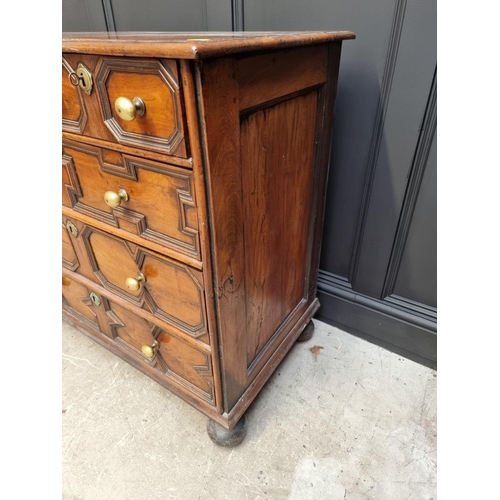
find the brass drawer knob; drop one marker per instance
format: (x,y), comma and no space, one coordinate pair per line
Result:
(135,283)
(150,350)
(128,109)
(113,199)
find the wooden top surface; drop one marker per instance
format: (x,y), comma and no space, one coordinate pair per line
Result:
(192,45)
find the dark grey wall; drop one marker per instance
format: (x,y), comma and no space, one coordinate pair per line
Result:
(378,264)
(147,15)
(83,15)
(174,15)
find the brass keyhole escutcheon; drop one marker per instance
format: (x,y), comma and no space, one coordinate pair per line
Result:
(73,230)
(85,80)
(95,299)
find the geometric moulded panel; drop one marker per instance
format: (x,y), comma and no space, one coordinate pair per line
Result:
(155,82)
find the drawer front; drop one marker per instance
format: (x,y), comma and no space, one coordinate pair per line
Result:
(171,291)
(135,102)
(74,115)
(160,204)
(177,361)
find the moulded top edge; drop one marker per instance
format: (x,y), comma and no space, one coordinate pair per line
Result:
(197,45)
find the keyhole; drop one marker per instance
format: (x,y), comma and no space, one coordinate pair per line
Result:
(95,299)
(84,79)
(72,229)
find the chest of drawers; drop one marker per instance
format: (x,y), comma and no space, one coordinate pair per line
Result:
(193,186)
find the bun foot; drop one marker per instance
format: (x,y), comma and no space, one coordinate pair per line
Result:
(307,332)
(221,436)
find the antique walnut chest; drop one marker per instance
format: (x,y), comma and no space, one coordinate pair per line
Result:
(193,187)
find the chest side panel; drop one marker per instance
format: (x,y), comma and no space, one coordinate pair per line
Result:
(262,123)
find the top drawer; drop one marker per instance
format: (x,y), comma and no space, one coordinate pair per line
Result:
(135,102)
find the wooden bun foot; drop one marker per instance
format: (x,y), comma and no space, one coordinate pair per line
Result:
(307,333)
(221,436)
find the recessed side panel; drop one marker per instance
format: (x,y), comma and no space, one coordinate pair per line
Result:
(264,167)
(277,154)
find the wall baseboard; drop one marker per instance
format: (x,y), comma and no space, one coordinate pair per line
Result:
(405,331)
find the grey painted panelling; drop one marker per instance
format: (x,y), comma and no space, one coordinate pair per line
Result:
(82,15)
(409,340)
(412,82)
(360,79)
(416,278)
(174,15)
(375,183)
(238,8)
(219,15)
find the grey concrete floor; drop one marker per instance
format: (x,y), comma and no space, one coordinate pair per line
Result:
(346,420)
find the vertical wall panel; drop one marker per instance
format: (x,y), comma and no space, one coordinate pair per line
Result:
(410,88)
(386,76)
(83,15)
(219,15)
(361,72)
(174,15)
(416,279)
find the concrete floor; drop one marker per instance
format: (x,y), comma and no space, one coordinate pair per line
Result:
(346,421)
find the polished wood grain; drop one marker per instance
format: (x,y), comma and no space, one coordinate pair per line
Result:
(94,125)
(69,258)
(161,205)
(191,367)
(74,116)
(218,86)
(159,118)
(161,129)
(176,360)
(266,369)
(132,238)
(266,77)
(132,150)
(180,390)
(226,179)
(277,152)
(200,343)
(199,45)
(188,76)
(77,297)
(71,105)
(261,168)
(172,291)
(156,82)
(264,364)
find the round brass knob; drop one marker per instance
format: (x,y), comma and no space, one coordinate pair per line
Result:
(128,109)
(134,283)
(113,199)
(150,350)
